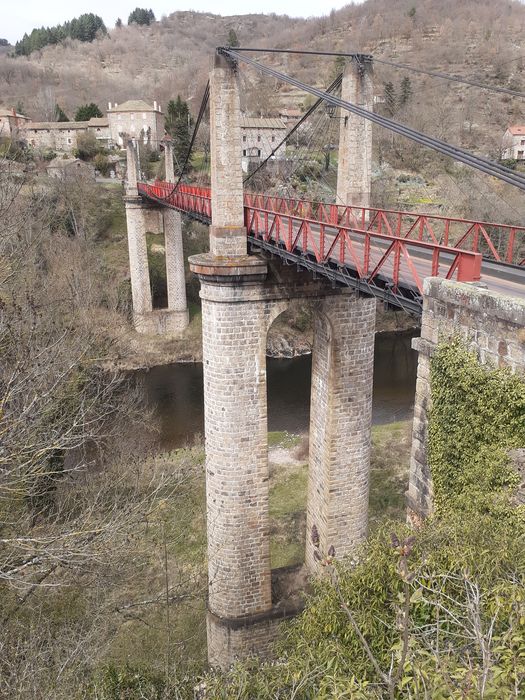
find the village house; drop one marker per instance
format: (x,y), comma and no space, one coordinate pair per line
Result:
(10,122)
(63,136)
(260,136)
(513,143)
(65,168)
(137,119)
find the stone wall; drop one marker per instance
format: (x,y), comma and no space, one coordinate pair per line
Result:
(492,325)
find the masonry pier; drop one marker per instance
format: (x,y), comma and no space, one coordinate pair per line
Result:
(241,297)
(141,218)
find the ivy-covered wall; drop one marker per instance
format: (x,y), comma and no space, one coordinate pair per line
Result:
(491,327)
(477,416)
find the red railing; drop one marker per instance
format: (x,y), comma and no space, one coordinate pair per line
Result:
(371,254)
(499,242)
(340,234)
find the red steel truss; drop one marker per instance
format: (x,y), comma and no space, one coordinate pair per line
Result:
(399,246)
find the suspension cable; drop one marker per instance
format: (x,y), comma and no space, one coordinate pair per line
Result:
(455,152)
(202,110)
(333,86)
(403,66)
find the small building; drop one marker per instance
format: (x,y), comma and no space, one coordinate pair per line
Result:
(137,119)
(10,122)
(290,116)
(64,168)
(513,143)
(63,136)
(260,136)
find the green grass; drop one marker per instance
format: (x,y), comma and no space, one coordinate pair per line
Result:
(288,495)
(389,470)
(281,438)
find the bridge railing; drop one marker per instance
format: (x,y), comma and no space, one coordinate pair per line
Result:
(460,242)
(499,242)
(404,262)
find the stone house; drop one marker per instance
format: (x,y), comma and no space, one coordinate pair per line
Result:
(513,143)
(10,122)
(63,168)
(63,136)
(260,135)
(137,119)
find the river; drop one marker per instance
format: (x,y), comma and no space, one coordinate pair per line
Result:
(175,391)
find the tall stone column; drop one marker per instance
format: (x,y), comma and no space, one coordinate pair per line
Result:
(175,277)
(227,232)
(354,169)
(132,168)
(340,425)
(138,263)
(168,159)
(234,349)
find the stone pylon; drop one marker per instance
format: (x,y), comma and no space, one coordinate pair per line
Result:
(240,300)
(354,169)
(169,166)
(141,218)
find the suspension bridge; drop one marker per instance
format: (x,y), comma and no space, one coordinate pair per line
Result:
(263,236)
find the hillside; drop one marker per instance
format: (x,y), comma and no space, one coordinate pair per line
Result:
(479,39)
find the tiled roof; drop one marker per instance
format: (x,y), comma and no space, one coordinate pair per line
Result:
(9,113)
(517,130)
(134,106)
(56,126)
(261,123)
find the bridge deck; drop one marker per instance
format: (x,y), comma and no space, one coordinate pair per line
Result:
(380,252)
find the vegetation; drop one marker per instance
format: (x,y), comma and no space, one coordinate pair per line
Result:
(84,28)
(60,115)
(178,122)
(88,111)
(141,16)
(470,467)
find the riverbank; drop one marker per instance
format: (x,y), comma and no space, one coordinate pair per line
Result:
(290,336)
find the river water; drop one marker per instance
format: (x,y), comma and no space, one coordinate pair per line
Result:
(175,391)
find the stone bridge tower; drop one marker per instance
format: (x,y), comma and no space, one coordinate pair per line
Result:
(142,218)
(241,296)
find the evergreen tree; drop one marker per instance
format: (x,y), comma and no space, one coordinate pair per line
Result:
(60,115)
(84,28)
(390,98)
(86,112)
(118,23)
(233,41)
(141,16)
(406,91)
(178,123)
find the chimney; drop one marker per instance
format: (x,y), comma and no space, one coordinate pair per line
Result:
(155,105)
(109,105)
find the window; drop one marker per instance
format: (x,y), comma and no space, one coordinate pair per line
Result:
(522,142)
(244,151)
(244,139)
(69,141)
(273,139)
(520,155)
(258,138)
(258,153)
